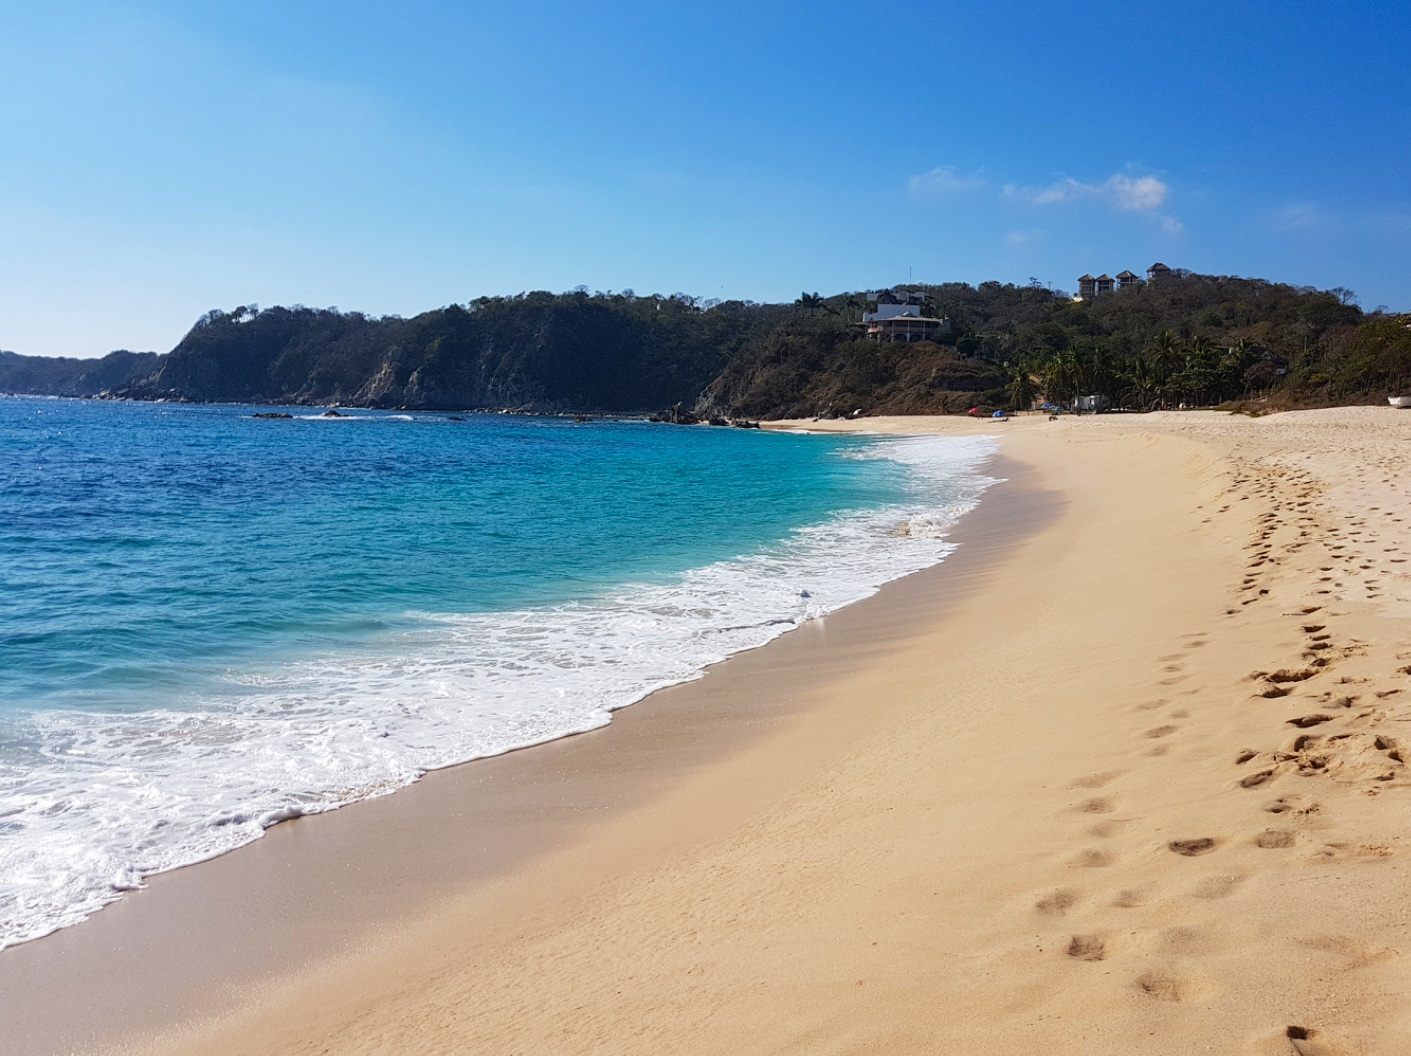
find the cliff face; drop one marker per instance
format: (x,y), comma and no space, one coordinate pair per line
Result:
(46,376)
(538,351)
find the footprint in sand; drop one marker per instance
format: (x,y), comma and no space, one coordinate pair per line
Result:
(1166,986)
(1263,777)
(1293,805)
(1087,948)
(1275,839)
(1093,858)
(1161,731)
(1057,903)
(1335,851)
(1097,805)
(1192,848)
(1307,1041)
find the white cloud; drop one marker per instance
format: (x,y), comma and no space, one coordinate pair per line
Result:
(1141,193)
(1172,226)
(1020,238)
(1131,193)
(944,179)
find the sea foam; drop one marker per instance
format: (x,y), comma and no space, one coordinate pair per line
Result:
(98,801)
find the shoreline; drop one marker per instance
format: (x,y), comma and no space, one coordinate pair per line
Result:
(519,804)
(332,699)
(1129,782)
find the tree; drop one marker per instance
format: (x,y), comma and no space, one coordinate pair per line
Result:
(1021,389)
(1165,355)
(1142,388)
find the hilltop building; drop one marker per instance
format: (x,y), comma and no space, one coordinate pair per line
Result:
(1089,287)
(901,316)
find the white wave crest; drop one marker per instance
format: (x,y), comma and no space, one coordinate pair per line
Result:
(107,799)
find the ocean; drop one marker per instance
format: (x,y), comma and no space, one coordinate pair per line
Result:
(210,623)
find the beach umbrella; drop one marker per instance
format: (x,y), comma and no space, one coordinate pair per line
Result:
(998,414)
(973,410)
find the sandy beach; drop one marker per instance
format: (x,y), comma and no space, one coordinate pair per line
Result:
(1124,775)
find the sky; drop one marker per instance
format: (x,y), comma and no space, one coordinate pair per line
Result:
(161,159)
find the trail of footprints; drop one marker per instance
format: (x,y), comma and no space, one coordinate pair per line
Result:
(1321,727)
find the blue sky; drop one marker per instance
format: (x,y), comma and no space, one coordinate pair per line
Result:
(161,159)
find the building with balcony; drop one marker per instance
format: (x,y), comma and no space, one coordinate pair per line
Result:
(901,316)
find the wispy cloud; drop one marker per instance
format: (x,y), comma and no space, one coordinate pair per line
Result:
(1300,216)
(1121,191)
(1132,193)
(944,179)
(1023,238)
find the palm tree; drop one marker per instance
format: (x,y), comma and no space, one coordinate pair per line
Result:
(1165,355)
(1143,387)
(1201,375)
(1021,388)
(1060,376)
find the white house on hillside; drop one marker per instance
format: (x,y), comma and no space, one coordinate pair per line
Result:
(901,316)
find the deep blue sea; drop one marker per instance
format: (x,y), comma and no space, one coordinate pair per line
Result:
(210,623)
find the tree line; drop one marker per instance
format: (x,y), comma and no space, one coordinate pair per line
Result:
(1186,340)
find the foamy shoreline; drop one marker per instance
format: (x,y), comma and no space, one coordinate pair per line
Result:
(466,687)
(1041,798)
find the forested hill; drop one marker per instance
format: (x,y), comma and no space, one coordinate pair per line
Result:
(536,351)
(1187,339)
(48,376)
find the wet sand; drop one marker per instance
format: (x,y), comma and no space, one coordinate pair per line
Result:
(1123,775)
(329,890)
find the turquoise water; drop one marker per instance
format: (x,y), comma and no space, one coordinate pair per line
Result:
(211,622)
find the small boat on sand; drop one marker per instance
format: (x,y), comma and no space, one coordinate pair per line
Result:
(1399,401)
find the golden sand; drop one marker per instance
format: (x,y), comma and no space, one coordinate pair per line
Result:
(1139,786)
